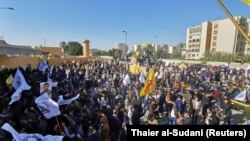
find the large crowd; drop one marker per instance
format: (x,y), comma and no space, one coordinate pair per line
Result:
(193,95)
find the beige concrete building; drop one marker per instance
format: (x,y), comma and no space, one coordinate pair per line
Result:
(171,49)
(137,48)
(216,36)
(123,47)
(53,51)
(198,40)
(247,50)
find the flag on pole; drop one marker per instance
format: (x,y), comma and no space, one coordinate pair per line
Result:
(16,96)
(134,69)
(142,77)
(62,101)
(29,137)
(242,96)
(47,106)
(43,66)
(247,2)
(160,76)
(150,83)
(51,82)
(126,80)
(9,80)
(19,81)
(51,70)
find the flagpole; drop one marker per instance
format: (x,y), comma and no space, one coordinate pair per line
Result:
(58,124)
(234,21)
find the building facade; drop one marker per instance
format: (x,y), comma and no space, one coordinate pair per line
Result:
(247,50)
(53,51)
(171,49)
(216,36)
(16,50)
(123,47)
(137,48)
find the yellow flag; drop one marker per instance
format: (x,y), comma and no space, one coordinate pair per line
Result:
(9,80)
(134,69)
(150,83)
(246,2)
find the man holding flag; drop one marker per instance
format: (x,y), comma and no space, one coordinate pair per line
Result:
(150,83)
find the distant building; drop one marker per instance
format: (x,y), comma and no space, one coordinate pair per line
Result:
(171,49)
(247,50)
(156,47)
(16,50)
(216,36)
(198,40)
(123,47)
(54,51)
(137,48)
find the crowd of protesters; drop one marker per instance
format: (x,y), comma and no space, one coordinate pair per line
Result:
(193,95)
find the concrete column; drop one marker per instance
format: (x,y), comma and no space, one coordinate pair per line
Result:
(86,50)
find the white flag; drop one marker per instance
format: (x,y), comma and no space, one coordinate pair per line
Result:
(19,81)
(126,80)
(242,96)
(51,70)
(62,101)
(142,78)
(50,81)
(16,96)
(156,74)
(47,106)
(160,76)
(43,66)
(29,137)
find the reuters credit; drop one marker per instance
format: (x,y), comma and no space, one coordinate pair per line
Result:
(208,133)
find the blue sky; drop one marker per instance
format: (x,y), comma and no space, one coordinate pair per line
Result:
(102,21)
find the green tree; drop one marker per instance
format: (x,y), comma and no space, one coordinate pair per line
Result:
(161,53)
(75,48)
(180,47)
(72,48)
(115,53)
(97,52)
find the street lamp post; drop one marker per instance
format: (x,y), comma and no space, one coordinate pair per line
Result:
(156,48)
(9,8)
(126,34)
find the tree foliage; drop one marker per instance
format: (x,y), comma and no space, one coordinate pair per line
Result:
(97,52)
(115,53)
(72,48)
(226,57)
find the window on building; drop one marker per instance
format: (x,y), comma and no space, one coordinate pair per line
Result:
(216,25)
(193,55)
(215,32)
(213,49)
(190,41)
(214,43)
(197,54)
(215,38)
